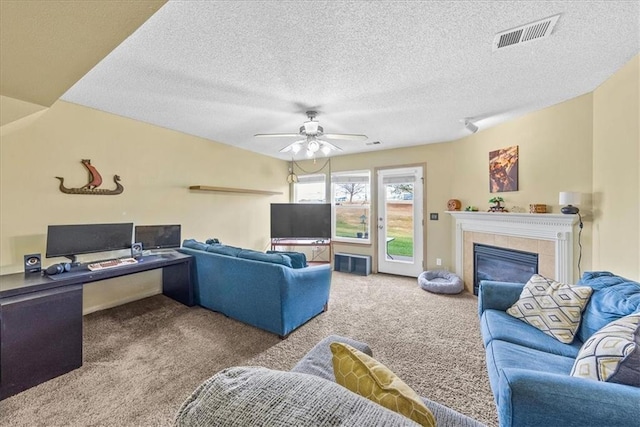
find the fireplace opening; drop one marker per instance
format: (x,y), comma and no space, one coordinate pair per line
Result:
(502,265)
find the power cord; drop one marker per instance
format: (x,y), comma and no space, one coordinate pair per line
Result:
(581,225)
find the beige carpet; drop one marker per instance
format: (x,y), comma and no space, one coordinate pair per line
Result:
(141,360)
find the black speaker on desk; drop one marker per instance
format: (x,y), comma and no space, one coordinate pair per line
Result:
(32,263)
(136,250)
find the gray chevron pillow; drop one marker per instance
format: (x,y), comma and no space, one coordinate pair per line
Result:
(612,354)
(554,308)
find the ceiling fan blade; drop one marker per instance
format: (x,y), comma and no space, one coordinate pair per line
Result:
(292,145)
(347,136)
(330,145)
(277,135)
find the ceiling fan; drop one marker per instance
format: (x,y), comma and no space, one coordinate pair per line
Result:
(311,132)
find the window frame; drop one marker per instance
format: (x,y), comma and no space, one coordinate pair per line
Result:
(342,178)
(310,179)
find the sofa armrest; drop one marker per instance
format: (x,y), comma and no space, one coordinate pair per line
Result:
(497,295)
(319,360)
(533,398)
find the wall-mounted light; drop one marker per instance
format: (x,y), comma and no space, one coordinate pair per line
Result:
(570,199)
(470,126)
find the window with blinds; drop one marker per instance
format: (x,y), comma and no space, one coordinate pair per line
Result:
(310,189)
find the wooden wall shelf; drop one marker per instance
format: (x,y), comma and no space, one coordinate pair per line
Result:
(233,190)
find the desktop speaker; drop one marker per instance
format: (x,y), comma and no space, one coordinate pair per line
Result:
(136,250)
(32,263)
(58,268)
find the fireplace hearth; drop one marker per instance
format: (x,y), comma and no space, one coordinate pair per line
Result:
(502,265)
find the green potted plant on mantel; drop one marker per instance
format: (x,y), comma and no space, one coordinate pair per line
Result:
(497,207)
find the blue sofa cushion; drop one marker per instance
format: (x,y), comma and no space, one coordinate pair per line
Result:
(498,325)
(298,259)
(504,355)
(224,250)
(194,244)
(613,297)
(259,256)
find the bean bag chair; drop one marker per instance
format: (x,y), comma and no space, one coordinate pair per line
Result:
(440,282)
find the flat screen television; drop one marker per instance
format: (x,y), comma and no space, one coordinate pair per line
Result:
(301,220)
(71,240)
(158,236)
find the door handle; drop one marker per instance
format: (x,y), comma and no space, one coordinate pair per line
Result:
(380,227)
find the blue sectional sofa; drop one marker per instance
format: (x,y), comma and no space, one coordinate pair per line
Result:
(529,371)
(262,290)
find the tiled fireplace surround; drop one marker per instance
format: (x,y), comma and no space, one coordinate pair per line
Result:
(548,235)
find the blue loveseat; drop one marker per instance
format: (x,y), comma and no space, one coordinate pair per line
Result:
(262,290)
(529,371)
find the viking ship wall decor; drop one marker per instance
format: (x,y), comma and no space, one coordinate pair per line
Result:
(95,181)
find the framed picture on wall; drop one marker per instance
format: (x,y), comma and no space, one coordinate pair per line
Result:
(503,170)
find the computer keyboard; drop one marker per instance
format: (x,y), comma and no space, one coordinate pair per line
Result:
(111,263)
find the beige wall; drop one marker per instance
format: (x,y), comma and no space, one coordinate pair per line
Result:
(436,159)
(555,154)
(555,146)
(156,167)
(616,177)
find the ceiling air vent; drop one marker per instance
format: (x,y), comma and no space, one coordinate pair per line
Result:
(526,33)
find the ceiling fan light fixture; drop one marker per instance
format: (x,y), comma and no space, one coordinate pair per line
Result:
(313,146)
(311,131)
(311,127)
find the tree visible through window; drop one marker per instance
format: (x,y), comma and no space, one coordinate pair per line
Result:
(351,192)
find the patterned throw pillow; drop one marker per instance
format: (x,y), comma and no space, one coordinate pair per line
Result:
(364,375)
(554,308)
(612,354)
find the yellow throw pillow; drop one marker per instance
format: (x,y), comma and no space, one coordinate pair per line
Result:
(369,378)
(554,308)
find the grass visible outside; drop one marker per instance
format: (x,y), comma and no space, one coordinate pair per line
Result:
(399,225)
(348,222)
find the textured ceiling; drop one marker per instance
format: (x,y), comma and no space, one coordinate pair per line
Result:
(403,73)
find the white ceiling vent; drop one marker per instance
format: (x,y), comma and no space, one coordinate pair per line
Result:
(526,33)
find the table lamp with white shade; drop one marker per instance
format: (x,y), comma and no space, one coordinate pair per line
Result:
(569,199)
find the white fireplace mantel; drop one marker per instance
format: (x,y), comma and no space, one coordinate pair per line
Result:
(558,228)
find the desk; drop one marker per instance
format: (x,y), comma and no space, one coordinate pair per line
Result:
(41,317)
(302,242)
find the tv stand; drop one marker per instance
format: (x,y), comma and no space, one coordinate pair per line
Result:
(309,242)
